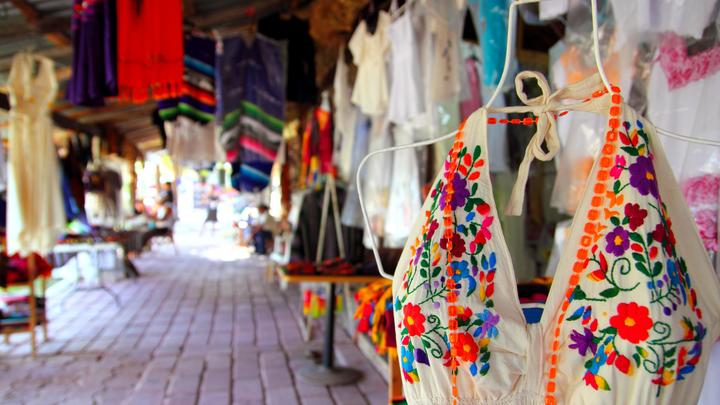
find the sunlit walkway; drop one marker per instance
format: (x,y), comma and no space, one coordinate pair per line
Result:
(191,330)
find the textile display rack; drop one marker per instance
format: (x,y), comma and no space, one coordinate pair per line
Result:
(36,316)
(327,373)
(94,250)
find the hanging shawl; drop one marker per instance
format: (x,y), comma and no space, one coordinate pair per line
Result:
(150,49)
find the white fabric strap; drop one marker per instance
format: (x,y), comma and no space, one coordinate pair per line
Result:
(546,133)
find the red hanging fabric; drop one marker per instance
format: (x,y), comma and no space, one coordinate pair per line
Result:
(149,49)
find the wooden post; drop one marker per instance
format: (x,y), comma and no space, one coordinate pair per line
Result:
(33,304)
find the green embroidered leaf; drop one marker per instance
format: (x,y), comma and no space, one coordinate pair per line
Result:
(588,364)
(641,149)
(473,260)
(635,237)
(474,188)
(615,221)
(642,269)
(425,343)
(649,238)
(670,353)
(616,187)
(638,256)
(485,357)
(657,269)
(477,152)
(642,352)
(423,273)
(626,220)
(490,303)
(463,151)
(636,357)
(404,331)
(610,292)
(436,271)
(424,263)
(578,293)
(609,330)
(643,135)
(484,262)
(576,315)
(630,150)
(669,364)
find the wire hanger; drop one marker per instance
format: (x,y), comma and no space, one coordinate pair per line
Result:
(512,17)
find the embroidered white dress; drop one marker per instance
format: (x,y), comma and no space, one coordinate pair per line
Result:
(635,306)
(35,213)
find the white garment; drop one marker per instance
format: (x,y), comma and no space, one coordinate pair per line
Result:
(343,119)
(689,110)
(35,211)
(376,187)
(371,85)
(445,23)
(406,89)
(710,394)
(636,18)
(191,143)
(550,9)
(405,201)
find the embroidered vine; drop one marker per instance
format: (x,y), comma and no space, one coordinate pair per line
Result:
(636,244)
(425,285)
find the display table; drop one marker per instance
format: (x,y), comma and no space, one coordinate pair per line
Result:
(64,252)
(327,373)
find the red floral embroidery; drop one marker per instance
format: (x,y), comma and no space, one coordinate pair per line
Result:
(414,320)
(632,322)
(467,348)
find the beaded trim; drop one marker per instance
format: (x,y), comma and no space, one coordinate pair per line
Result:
(590,234)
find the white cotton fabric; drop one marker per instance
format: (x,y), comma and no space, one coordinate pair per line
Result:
(520,354)
(191,143)
(344,118)
(638,18)
(35,211)
(370,92)
(406,91)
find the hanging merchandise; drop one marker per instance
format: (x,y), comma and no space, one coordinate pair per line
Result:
(682,85)
(344,118)
(317,147)
(149,49)
(370,92)
(636,20)
(405,200)
(406,90)
(36,215)
(377,181)
(300,86)
(491,20)
(445,24)
(250,87)
(351,214)
(191,136)
(94,64)
(622,301)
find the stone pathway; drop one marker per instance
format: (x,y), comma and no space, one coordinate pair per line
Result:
(190,331)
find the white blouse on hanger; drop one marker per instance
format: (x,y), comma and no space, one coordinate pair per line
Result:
(370,92)
(406,91)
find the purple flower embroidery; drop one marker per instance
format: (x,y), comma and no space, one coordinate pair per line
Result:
(489,324)
(583,342)
(421,357)
(459,196)
(617,241)
(642,176)
(418,255)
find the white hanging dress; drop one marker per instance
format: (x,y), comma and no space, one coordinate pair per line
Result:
(35,213)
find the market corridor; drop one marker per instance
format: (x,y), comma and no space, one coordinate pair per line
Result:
(190,330)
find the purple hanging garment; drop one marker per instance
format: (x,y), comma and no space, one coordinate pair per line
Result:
(94,74)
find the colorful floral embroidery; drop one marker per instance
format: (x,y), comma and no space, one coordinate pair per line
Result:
(460,247)
(628,338)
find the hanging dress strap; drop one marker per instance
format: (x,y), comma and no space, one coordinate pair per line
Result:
(546,107)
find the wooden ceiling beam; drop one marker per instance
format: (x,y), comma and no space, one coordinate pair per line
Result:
(34,17)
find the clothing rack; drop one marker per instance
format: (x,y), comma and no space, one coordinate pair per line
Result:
(512,16)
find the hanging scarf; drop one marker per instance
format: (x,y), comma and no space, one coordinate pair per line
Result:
(150,49)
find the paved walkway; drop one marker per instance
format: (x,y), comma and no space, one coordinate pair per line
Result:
(192,330)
